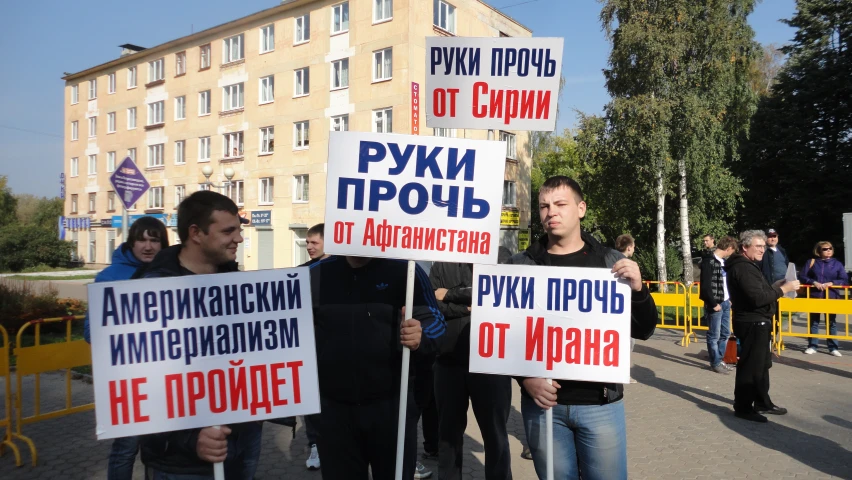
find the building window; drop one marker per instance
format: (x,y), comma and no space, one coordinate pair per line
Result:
(155,197)
(180,63)
(131,118)
(111,83)
(110,167)
(265,190)
(204,103)
(444,16)
(267,38)
(93,164)
(267,140)
(204,149)
(235,192)
(111,122)
(93,198)
(131,78)
(74,203)
(75,94)
(340,18)
(383,120)
(93,127)
(382,10)
(180,194)
(156,70)
(340,123)
(267,89)
(511,149)
(510,194)
(110,201)
(93,89)
(445,132)
(180,107)
(232,49)
(302,82)
(131,152)
(382,64)
(340,74)
(75,167)
(300,135)
(204,51)
(156,112)
(75,130)
(302,32)
(204,187)
(155,155)
(301,186)
(232,97)
(180,152)
(233,145)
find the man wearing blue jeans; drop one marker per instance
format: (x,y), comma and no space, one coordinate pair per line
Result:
(717,303)
(589,433)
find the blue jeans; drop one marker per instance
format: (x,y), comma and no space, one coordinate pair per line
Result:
(122,456)
(718,333)
(832,330)
(240,464)
(587,439)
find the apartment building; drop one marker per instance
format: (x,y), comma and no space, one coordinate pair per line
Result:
(259,95)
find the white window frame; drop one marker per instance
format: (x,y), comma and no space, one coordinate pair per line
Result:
(511,144)
(131,77)
(156,155)
(301,82)
(180,194)
(231,92)
(74,169)
(379,57)
(340,74)
(155,198)
(340,123)
(74,203)
(267,38)
(111,122)
(301,188)
(302,25)
(266,89)
(180,63)
(110,201)
(93,203)
(230,141)
(75,94)
(444,16)
(510,188)
(204,53)
(93,165)
(229,55)
(385,115)
(204,187)
(180,107)
(205,105)
(111,83)
(93,127)
(340,18)
(157,70)
(267,140)
(131,152)
(444,132)
(301,135)
(180,152)
(156,113)
(266,191)
(110,164)
(131,118)
(236,191)
(75,130)
(93,89)
(203,149)
(382,11)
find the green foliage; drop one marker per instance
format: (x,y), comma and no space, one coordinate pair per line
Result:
(22,301)
(647,260)
(23,246)
(8,203)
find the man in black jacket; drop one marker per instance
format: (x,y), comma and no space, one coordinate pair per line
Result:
(717,302)
(775,260)
(209,228)
(361,328)
(491,395)
(590,437)
(754,301)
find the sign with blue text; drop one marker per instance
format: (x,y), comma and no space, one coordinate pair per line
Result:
(129,183)
(550,322)
(202,350)
(414,197)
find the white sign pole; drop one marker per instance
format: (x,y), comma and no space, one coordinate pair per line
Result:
(548,418)
(219,467)
(124,222)
(403,381)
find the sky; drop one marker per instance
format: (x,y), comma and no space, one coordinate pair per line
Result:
(41,39)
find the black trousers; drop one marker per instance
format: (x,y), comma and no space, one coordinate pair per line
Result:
(491,396)
(752,384)
(355,439)
(424,398)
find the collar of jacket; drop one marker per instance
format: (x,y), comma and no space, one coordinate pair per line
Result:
(538,249)
(167,261)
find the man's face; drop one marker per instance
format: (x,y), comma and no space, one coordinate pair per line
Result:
(755,251)
(146,249)
(315,246)
(708,242)
(772,240)
(219,244)
(560,213)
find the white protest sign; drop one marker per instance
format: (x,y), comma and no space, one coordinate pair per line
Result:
(550,322)
(202,350)
(493,83)
(414,197)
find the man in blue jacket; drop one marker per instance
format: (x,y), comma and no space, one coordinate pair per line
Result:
(775,260)
(147,236)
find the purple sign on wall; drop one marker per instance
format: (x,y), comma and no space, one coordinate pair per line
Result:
(129,183)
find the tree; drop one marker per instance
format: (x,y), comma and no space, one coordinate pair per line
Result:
(7,202)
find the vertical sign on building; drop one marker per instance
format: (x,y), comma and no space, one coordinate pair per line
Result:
(415,108)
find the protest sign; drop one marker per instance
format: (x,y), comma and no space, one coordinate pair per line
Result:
(414,197)
(550,322)
(202,350)
(493,83)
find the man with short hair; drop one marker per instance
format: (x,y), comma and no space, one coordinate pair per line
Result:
(709,245)
(775,260)
(717,303)
(590,437)
(315,242)
(626,245)
(209,227)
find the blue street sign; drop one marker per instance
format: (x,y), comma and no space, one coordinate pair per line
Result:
(129,183)
(117,223)
(261,217)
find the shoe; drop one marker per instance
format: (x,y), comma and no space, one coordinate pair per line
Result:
(420,471)
(751,416)
(773,410)
(727,367)
(526,454)
(836,353)
(429,455)
(810,351)
(720,369)
(313,461)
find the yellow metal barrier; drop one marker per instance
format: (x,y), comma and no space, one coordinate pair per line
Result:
(38,359)
(6,420)
(674,313)
(818,303)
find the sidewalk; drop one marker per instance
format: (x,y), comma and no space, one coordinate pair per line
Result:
(679,420)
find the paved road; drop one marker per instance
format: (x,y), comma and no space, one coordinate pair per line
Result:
(679,420)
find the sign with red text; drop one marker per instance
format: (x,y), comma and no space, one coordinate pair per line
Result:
(414,197)
(202,350)
(415,108)
(493,83)
(550,322)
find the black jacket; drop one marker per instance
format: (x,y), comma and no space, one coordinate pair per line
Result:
(769,258)
(753,299)
(711,291)
(357,319)
(174,452)
(643,316)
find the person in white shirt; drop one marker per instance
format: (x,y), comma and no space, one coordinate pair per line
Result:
(717,302)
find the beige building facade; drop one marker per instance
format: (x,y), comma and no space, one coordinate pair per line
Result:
(260,95)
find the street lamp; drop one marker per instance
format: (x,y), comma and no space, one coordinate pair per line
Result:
(207,170)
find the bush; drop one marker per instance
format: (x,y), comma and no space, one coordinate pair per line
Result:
(22,301)
(647,260)
(27,246)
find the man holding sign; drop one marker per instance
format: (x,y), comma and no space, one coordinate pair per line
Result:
(589,433)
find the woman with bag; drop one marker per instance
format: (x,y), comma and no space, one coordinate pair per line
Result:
(824,272)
